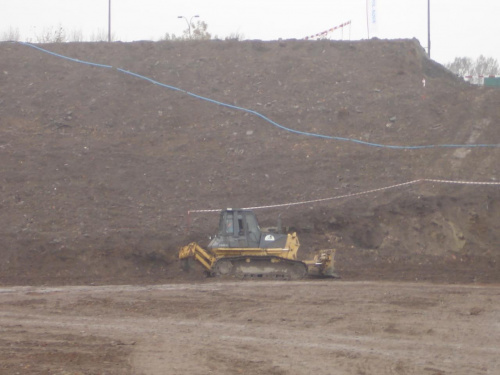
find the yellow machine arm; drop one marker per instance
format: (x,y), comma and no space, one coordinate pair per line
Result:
(193,250)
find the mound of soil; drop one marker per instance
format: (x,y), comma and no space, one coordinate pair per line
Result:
(100,167)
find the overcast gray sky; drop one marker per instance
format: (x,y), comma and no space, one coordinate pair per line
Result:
(458,27)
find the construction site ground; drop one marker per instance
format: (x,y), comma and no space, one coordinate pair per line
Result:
(264,327)
(103,168)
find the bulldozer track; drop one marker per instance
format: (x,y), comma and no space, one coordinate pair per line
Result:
(260,267)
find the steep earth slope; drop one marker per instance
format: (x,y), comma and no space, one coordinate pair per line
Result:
(100,167)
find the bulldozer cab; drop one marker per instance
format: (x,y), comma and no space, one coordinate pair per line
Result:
(238,228)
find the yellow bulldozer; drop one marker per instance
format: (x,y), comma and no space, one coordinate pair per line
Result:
(242,249)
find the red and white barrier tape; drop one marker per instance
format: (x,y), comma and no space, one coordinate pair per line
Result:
(350,195)
(323,33)
(481,76)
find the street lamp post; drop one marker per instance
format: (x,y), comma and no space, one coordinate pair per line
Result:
(109,21)
(429,28)
(188,22)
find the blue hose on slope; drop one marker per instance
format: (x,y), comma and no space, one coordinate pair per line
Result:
(259,114)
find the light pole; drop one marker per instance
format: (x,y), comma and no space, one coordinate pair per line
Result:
(109,21)
(429,28)
(188,22)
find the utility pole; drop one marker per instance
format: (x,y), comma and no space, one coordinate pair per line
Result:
(109,21)
(429,28)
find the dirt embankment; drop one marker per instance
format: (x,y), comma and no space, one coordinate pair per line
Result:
(99,167)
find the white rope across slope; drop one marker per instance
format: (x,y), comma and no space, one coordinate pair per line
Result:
(350,195)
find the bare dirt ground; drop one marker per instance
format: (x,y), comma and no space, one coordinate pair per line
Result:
(307,327)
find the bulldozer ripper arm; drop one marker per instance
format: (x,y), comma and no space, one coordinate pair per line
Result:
(193,250)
